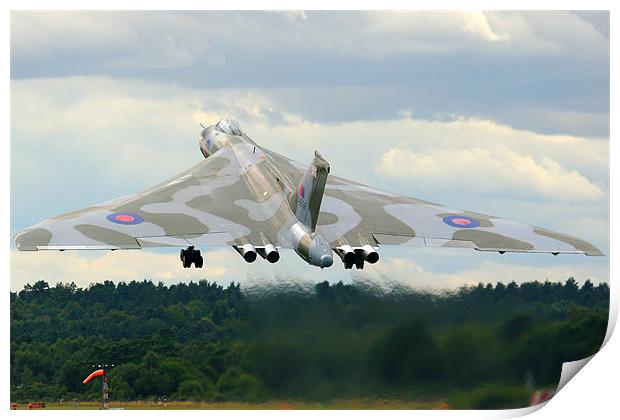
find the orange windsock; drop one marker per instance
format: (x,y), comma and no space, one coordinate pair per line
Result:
(92,375)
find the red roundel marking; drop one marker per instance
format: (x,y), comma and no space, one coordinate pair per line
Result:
(125,218)
(460,221)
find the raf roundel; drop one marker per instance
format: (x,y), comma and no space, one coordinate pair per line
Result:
(461,221)
(123,218)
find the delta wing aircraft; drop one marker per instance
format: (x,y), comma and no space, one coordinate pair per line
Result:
(257,201)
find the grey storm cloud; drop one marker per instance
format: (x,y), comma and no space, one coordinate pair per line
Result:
(343,66)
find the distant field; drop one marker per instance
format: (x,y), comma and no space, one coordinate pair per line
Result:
(269,405)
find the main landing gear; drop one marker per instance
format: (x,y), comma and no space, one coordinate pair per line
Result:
(191,255)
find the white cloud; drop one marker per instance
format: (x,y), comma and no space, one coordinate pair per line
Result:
(428,31)
(489,157)
(477,23)
(497,32)
(129,129)
(120,128)
(489,170)
(222,265)
(501,32)
(412,274)
(84,268)
(225,265)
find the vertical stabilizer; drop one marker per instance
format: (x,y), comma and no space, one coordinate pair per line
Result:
(306,202)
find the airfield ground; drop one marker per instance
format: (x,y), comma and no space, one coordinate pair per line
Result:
(270,405)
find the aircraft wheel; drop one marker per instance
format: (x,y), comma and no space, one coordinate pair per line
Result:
(186,258)
(191,256)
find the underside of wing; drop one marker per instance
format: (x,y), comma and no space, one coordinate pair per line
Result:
(355,214)
(234,197)
(212,203)
(360,214)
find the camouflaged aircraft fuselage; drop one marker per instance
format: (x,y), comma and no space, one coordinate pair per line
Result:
(257,201)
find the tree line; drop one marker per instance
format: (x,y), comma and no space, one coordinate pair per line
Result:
(480,346)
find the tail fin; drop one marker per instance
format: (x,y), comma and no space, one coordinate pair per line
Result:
(306,202)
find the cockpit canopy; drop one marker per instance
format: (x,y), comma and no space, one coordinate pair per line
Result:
(229,126)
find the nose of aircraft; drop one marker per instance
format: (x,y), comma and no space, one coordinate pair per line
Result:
(327,260)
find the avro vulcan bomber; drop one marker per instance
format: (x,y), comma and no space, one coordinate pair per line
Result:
(257,201)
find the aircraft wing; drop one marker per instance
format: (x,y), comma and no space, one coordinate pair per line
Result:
(231,196)
(356,214)
(212,203)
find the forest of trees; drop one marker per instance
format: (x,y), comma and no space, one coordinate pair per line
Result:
(200,341)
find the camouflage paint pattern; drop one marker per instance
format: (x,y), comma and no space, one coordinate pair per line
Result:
(242,193)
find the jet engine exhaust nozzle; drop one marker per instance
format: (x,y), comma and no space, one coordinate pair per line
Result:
(370,255)
(346,254)
(270,253)
(351,256)
(247,251)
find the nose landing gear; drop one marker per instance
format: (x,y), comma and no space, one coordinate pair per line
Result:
(191,255)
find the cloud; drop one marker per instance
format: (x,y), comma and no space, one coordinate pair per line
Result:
(487,156)
(222,265)
(126,39)
(511,67)
(82,140)
(410,273)
(84,268)
(514,104)
(434,32)
(225,266)
(493,170)
(293,14)
(548,120)
(176,39)
(597,18)
(124,135)
(118,129)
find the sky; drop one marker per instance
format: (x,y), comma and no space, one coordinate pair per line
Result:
(505,113)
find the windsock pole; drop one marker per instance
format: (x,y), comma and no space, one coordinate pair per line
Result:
(104,386)
(104,398)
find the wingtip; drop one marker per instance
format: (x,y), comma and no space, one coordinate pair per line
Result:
(20,244)
(31,238)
